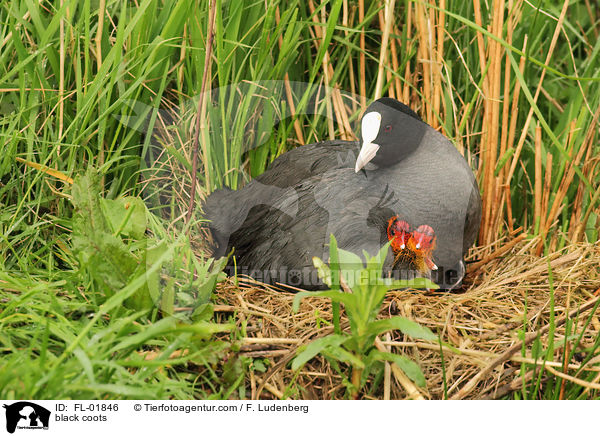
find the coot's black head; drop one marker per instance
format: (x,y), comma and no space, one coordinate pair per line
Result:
(390,131)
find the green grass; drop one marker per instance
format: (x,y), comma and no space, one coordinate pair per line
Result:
(74,97)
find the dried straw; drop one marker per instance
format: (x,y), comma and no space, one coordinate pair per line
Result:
(480,326)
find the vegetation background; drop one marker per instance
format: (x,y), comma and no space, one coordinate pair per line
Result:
(515,84)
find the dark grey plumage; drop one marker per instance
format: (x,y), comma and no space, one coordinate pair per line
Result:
(227,209)
(283,218)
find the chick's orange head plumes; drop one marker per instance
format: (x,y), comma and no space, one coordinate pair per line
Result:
(412,247)
(398,231)
(424,238)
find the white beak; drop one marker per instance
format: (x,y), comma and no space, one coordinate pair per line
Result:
(369,129)
(367,152)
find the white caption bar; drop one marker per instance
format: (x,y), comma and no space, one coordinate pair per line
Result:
(306,418)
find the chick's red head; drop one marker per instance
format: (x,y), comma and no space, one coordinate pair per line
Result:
(424,238)
(398,231)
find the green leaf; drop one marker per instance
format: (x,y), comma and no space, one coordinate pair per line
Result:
(158,328)
(323,270)
(406,326)
(331,22)
(85,194)
(335,282)
(103,255)
(350,267)
(167,298)
(153,278)
(141,299)
(503,159)
(416,283)
(86,364)
(375,263)
(204,329)
(316,347)
(209,274)
(334,263)
(204,312)
(341,354)
(410,368)
(258,365)
(126,216)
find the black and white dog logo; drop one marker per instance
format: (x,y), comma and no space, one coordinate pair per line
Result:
(26,415)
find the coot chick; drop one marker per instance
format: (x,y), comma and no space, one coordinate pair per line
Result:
(414,248)
(401,168)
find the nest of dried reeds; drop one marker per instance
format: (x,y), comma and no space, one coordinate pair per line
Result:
(501,311)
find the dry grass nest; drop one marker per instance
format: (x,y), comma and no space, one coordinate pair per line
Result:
(482,327)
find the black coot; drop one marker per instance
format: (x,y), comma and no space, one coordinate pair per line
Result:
(402,168)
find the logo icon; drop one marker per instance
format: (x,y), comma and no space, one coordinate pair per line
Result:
(26,415)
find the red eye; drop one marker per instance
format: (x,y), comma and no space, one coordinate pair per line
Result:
(388,128)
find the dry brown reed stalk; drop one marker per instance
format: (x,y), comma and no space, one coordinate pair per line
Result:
(424,59)
(397,83)
(362,61)
(593,19)
(507,173)
(479,325)
(98,37)
(480,43)
(588,144)
(537,209)
(429,24)
(495,188)
(496,51)
(326,77)
(351,74)
(505,248)
(388,73)
(333,95)
(438,21)
(506,93)
(544,209)
(387,25)
(288,88)
(387,374)
(572,379)
(491,117)
(407,48)
(509,121)
(201,125)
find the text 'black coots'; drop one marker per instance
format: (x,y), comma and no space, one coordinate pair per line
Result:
(403,182)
